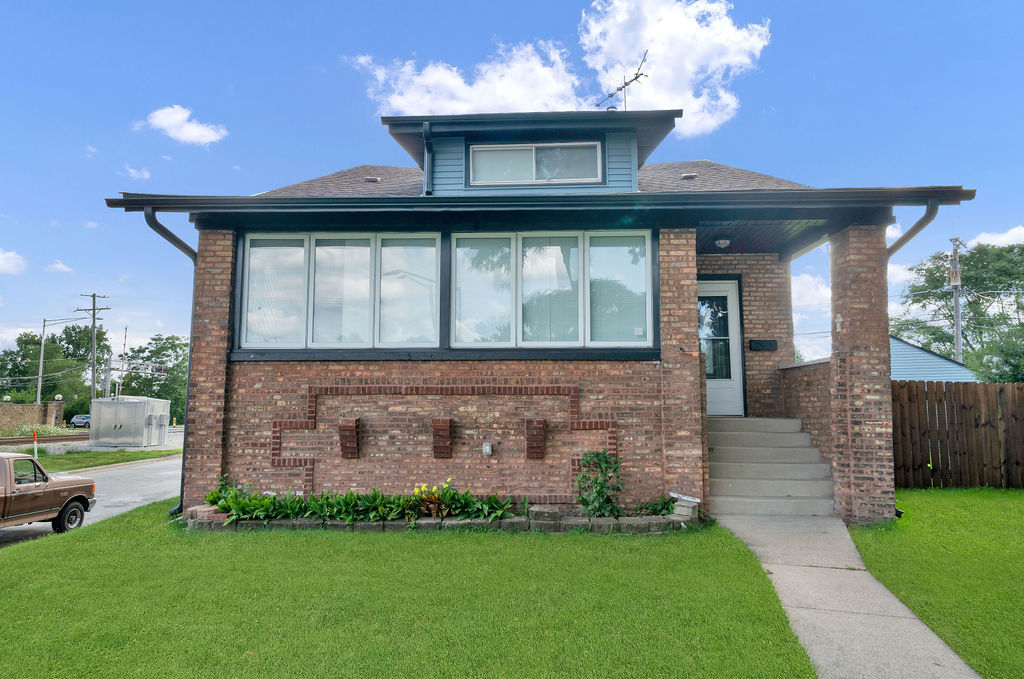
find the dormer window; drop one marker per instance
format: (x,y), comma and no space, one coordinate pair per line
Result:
(574,162)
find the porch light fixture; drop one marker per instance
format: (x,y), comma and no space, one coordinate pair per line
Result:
(723,243)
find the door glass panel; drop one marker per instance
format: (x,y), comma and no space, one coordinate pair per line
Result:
(483,290)
(713,330)
(551,289)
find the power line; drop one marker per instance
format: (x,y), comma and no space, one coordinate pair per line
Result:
(93,310)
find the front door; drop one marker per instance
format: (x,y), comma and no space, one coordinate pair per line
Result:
(721,342)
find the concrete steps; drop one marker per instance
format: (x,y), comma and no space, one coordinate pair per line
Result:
(766,466)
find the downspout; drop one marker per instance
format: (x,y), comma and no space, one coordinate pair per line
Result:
(169,236)
(428,161)
(930,211)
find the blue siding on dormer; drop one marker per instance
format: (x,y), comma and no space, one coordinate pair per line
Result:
(450,170)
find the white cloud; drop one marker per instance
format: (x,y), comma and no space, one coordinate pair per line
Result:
(694,51)
(11,262)
(899,274)
(136,174)
(167,158)
(8,335)
(123,278)
(1,301)
(90,150)
(177,123)
(138,125)
(893,231)
(1011,237)
(812,347)
(236,167)
(58,265)
(811,291)
(54,222)
(91,224)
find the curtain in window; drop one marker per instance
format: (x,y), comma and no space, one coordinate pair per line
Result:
(503,165)
(276,305)
(618,289)
(551,290)
(483,290)
(341,291)
(567,162)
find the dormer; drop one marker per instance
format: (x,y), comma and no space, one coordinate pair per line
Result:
(570,152)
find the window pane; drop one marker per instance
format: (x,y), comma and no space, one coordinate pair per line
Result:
(483,290)
(408,290)
(341,291)
(502,165)
(713,316)
(716,355)
(618,289)
(567,162)
(276,309)
(551,282)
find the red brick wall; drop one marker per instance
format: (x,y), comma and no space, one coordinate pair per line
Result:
(281,428)
(808,397)
(861,389)
(767,314)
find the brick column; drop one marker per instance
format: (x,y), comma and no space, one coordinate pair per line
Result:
(860,394)
(682,428)
(211,340)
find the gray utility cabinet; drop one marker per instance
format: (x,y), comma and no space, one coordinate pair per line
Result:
(129,421)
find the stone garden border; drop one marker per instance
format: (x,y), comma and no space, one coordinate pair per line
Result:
(542,518)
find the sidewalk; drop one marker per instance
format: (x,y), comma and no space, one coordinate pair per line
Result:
(850,624)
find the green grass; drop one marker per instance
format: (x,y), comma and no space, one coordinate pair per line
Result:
(81,459)
(137,597)
(956,559)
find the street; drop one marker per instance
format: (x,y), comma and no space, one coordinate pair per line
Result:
(118,489)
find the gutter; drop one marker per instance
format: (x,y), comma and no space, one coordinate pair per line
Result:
(171,238)
(930,211)
(428,161)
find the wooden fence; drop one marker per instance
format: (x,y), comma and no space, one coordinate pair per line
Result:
(958,434)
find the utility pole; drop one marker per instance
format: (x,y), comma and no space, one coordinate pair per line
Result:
(954,281)
(93,310)
(39,380)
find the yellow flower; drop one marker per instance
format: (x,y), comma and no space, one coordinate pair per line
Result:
(416,491)
(434,490)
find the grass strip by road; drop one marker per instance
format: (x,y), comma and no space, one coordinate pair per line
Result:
(82,459)
(955,559)
(134,596)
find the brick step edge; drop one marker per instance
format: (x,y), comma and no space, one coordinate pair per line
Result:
(208,518)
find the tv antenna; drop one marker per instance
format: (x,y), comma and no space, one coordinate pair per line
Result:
(625,84)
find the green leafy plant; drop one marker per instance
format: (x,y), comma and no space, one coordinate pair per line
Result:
(662,506)
(599,484)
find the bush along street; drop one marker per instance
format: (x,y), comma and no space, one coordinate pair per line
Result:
(432,507)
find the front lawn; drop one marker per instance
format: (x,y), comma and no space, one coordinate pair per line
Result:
(956,559)
(81,459)
(136,596)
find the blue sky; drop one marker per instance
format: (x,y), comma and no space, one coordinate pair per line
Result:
(827,94)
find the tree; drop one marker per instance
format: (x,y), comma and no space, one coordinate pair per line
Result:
(992,309)
(169,352)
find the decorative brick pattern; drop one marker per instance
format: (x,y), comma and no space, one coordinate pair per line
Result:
(534,437)
(442,428)
(767,315)
(348,435)
(861,391)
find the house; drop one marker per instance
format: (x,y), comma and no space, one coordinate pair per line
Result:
(911,362)
(533,289)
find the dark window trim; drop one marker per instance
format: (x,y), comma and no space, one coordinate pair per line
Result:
(445,352)
(739,295)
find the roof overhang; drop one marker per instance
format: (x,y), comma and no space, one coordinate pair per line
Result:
(651,127)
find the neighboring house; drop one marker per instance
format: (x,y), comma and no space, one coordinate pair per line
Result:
(911,362)
(535,285)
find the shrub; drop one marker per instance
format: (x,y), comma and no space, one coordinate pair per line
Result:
(659,507)
(599,484)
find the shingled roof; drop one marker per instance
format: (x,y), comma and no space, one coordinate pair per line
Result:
(677,177)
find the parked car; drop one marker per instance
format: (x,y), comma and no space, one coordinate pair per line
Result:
(80,421)
(29,494)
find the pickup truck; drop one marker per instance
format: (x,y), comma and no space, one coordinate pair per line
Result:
(29,494)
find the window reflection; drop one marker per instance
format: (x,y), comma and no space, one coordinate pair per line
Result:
(276,308)
(551,295)
(408,291)
(483,290)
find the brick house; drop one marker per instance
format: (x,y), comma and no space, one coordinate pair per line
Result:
(532,290)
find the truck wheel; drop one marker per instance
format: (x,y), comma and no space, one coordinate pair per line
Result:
(71,516)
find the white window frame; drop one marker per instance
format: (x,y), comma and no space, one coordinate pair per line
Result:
(245,289)
(648,275)
(533,147)
(582,315)
(381,237)
(372,237)
(512,238)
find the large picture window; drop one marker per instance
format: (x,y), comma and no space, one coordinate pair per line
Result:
(535,163)
(527,290)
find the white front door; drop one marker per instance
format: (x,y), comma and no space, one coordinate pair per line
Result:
(718,304)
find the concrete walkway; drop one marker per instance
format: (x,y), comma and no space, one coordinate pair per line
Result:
(850,624)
